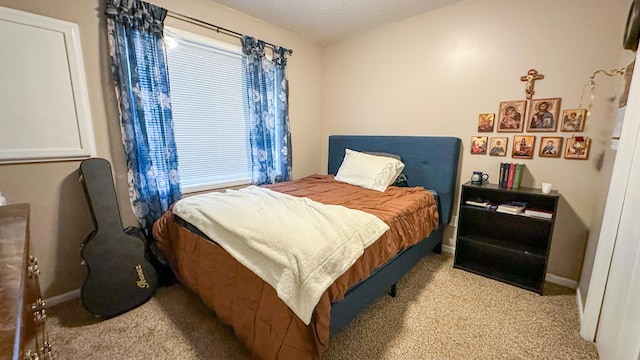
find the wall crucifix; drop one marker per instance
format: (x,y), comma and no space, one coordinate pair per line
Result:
(530,78)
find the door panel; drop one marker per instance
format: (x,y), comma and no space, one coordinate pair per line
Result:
(618,334)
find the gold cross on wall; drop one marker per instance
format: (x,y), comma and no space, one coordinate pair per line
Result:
(530,78)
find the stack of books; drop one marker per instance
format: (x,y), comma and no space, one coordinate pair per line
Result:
(510,209)
(510,175)
(542,214)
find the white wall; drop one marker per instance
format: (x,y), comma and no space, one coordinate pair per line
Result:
(434,73)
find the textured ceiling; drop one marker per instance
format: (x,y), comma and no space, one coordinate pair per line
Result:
(324,21)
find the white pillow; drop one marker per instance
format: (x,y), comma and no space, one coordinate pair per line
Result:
(368,171)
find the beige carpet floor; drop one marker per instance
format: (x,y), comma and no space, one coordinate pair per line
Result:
(439,313)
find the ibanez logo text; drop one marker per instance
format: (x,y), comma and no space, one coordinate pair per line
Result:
(142,281)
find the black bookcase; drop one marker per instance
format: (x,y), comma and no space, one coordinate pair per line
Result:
(510,248)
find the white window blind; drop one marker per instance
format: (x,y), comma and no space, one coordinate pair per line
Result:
(210,113)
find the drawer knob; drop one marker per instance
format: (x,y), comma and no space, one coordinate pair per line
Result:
(40,317)
(38,305)
(32,269)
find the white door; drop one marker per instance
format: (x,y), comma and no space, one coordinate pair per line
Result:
(618,334)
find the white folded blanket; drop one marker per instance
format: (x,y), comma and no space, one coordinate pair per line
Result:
(297,245)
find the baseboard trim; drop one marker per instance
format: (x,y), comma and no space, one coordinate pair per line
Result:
(561,281)
(449,249)
(580,306)
(62,298)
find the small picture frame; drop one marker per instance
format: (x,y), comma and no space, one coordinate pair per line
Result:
(573,120)
(511,115)
(543,115)
(485,122)
(523,146)
(550,146)
(577,148)
(479,145)
(498,146)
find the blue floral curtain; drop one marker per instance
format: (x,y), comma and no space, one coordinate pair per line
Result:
(140,74)
(268,98)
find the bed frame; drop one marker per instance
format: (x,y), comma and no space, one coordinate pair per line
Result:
(431,162)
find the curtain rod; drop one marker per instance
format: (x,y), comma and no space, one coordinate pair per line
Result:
(218,29)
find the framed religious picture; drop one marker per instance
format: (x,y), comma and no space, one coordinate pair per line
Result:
(543,114)
(550,146)
(573,120)
(523,146)
(498,146)
(485,122)
(511,115)
(479,145)
(577,148)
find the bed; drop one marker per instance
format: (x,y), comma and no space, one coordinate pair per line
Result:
(260,319)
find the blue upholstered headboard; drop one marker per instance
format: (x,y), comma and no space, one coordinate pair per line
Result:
(430,161)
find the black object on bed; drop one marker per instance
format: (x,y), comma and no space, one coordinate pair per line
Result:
(431,162)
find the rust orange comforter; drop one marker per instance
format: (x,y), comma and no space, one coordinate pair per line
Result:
(241,299)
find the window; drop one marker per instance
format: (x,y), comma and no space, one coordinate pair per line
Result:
(210,113)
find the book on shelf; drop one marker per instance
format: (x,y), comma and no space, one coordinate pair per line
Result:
(512,173)
(510,209)
(480,203)
(504,174)
(522,204)
(517,176)
(538,213)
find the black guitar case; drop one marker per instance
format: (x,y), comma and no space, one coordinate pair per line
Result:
(120,276)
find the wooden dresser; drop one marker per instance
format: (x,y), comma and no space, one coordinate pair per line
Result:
(22,310)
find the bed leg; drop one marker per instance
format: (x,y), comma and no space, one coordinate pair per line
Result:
(438,248)
(394,290)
